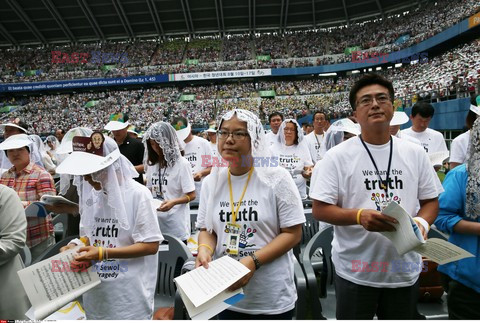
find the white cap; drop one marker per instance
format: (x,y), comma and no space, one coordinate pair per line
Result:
(2,126)
(15,142)
(116,125)
(399,118)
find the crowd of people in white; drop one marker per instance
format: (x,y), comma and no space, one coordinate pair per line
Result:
(233,52)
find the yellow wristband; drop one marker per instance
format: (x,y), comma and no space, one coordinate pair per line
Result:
(84,240)
(100,254)
(188,197)
(207,246)
(359,213)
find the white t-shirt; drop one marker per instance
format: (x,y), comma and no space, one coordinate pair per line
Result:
(271,138)
(194,150)
(294,158)
(431,140)
(458,149)
(214,149)
(128,285)
(271,290)
(314,142)
(176,182)
(349,180)
(409,138)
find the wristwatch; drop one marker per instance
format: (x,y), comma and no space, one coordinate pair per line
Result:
(255,261)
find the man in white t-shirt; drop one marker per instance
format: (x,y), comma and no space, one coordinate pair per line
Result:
(458,148)
(197,151)
(359,178)
(314,139)
(275,120)
(431,140)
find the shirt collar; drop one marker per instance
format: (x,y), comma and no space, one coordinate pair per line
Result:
(28,169)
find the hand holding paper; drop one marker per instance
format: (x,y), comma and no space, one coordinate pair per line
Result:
(408,237)
(204,291)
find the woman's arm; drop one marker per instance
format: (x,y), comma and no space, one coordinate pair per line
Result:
(168,204)
(207,243)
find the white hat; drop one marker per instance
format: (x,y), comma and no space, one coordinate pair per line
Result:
(399,118)
(183,133)
(346,125)
(116,125)
(475,109)
(83,163)
(15,142)
(66,144)
(211,130)
(2,126)
(131,129)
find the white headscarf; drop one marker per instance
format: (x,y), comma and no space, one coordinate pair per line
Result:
(117,180)
(165,136)
(281,131)
(472,209)
(38,150)
(53,140)
(335,133)
(34,154)
(64,149)
(271,176)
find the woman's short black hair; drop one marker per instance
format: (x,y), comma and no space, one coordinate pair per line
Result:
(366,80)
(26,147)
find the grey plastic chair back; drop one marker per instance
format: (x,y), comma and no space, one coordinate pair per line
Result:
(170,263)
(53,250)
(26,256)
(322,239)
(60,231)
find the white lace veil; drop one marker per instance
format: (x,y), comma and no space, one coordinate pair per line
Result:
(165,136)
(270,175)
(116,180)
(281,131)
(472,209)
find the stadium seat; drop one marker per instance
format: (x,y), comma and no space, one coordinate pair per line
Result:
(172,255)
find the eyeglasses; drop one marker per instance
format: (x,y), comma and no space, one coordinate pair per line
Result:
(368,100)
(237,135)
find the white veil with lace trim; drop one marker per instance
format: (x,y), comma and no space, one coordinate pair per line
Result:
(272,176)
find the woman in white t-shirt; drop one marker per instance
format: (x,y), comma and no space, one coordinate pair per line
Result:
(264,226)
(119,233)
(169,178)
(293,154)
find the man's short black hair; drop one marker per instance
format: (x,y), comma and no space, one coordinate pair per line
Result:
(366,80)
(425,110)
(317,112)
(274,115)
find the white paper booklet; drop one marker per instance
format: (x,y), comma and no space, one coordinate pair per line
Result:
(409,238)
(204,291)
(56,199)
(50,284)
(73,311)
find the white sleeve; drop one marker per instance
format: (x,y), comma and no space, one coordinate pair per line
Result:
(306,157)
(291,213)
(145,228)
(427,186)
(148,175)
(202,207)
(207,150)
(186,178)
(457,154)
(325,188)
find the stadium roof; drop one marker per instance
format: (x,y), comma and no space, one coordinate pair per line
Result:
(29,22)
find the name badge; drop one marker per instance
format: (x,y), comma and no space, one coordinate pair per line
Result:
(233,240)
